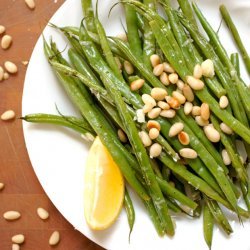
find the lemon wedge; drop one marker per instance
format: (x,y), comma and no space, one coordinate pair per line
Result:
(104,188)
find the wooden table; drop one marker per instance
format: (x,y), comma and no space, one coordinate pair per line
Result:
(22,190)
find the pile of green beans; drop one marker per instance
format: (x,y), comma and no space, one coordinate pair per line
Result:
(99,88)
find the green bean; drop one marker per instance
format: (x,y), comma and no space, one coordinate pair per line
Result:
(173,206)
(228,20)
(130,211)
(88,14)
(235,62)
(208,225)
(246,194)
(219,216)
(99,124)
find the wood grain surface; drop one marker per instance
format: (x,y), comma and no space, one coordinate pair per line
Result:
(22,190)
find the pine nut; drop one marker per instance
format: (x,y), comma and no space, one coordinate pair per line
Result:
(180,84)
(205,111)
(148,100)
(123,37)
(8,115)
(18,239)
(227,130)
(153,124)
(42,213)
(128,67)
(163,105)
(11,215)
(10,67)
(118,62)
(137,84)
(197,71)
(201,122)
(6,41)
(225,157)
(1,73)
(155,60)
(173,78)
(31,4)
(154,113)
(173,102)
(188,153)
(147,108)
(25,63)
(188,106)
(168,68)
(15,247)
(181,98)
(168,113)
(2,29)
(145,138)
(140,115)
(175,129)
(183,138)
(155,150)
(223,102)
(212,134)
(208,68)
(1,186)
(158,70)
(6,76)
(188,93)
(159,94)
(153,133)
(164,79)
(194,83)
(196,110)
(54,238)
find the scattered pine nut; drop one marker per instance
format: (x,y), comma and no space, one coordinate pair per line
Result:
(6,75)
(223,102)
(11,215)
(163,105)
(8,115)
(164,79)
(173,102)
(123,37)
(225,157)
(15,247)
(145,138)
(188,106)
(154,113)
(128,67)
(122,136)
(25,63)
(183,138)
(159,94)
(208,68)
(168,113)
(227,130)
(168,68)
(197,71)
(54,238)
(158,70)
(201,122)
(153,133)
(147,108)
(175,129)
(140,115)
(18,239)
(153,124)
(10,67)
(148,100)
(196,110)
(180,97)
(188,93)
(2,29)
(180,84)
(1,74)
(137,84)
(173,78)
(155,60)
(188,153)
(205,111)
(212,134)
(194,83)
(1,186)
(31,4)
(6,41)
(155,150)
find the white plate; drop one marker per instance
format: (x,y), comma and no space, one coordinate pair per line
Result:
(58,155)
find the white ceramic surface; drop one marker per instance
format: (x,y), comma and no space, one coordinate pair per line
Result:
(58,155)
